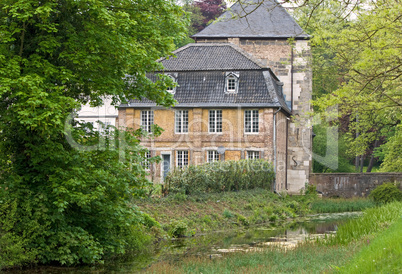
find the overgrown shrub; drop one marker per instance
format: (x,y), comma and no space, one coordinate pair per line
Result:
(221,177)
(386,193)
(14,250)
(178,229)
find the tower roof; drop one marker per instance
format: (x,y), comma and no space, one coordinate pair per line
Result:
(254,19)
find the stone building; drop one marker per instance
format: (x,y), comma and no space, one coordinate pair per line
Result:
(243,91)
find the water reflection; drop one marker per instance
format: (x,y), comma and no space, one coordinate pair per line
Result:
(216,244)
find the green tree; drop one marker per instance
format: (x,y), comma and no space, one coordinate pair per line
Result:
(73,205)
(369,50)
(357,67)
(331,146)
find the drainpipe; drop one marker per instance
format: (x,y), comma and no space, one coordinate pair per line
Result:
(286,156)
(291,79)
(274,144)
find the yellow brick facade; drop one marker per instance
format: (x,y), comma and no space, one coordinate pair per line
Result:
(198,141)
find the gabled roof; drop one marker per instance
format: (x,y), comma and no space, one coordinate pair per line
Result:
(200,72)
(254,19)
(211,56)
(257,88)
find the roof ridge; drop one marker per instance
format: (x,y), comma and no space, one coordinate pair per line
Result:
(255,18)
(190,53)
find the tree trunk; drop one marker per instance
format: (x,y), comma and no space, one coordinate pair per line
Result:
(371,163)
(361,163)
(357,163)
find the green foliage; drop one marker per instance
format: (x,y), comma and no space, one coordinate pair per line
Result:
(330,146)
(70,184)
(221,177)
(391,151)
(386,193)
(310,190)
(374,220)
(242,220)
(13,247)
(367,50)
(340,205)
(149,222)
(227,213)
(178,229)
(382,255)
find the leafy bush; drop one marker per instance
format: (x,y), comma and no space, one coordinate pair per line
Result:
(221,177)
(73,206)
(178,229)
(227,213)
(386,193)
(13,248)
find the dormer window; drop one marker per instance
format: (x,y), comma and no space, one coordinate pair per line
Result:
(172,89)
(232,82)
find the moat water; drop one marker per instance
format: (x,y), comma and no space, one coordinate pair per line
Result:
(216,244)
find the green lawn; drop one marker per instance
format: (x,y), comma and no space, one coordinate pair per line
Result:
(381,255)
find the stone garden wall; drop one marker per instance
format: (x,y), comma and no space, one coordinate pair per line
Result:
(349,185)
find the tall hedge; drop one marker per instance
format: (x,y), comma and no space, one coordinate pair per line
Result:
(221,177)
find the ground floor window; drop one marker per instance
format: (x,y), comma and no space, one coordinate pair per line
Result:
(253,155)
(146,164)
(182,158)
(212,156)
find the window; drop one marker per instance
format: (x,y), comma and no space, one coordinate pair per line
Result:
(181,122)
(146,164)
(232,82)
(182,158)
(147,120)
(253,155)
(215,121)
(172,89)
(251,121)
(212,156)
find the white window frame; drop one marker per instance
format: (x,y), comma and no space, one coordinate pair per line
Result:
(231,82)
(146,164)
(172,90)
(212,156)
(182,158)
(216,123)
(252,130)
(146,124)
(253,155)
(181,116)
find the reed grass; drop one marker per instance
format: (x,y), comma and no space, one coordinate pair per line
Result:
(341,205)
(382,255)
(373,220)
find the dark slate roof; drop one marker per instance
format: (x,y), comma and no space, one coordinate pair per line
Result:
(201,73)
(210,57)
(268,19)
(257,88)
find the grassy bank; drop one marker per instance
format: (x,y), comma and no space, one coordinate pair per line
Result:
(220,211)
(340,205)
(381,256)
(365,238)
(230,210)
